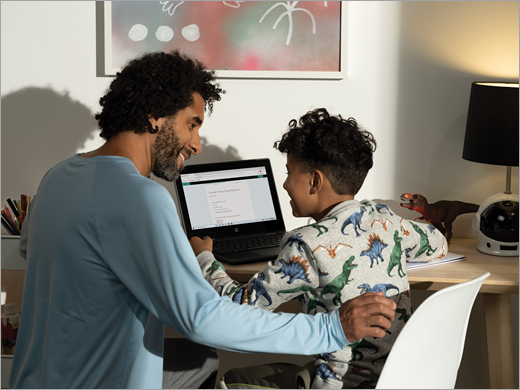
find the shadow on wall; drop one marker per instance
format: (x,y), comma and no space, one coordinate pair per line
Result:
(212,153)
(40,128)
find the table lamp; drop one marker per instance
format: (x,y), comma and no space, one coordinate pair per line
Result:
(492,138)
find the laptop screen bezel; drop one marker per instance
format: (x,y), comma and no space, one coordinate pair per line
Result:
(233,230)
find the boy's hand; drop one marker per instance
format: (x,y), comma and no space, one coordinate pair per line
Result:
(200,245)
(368,315)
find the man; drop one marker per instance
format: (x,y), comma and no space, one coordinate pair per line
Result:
(108,263)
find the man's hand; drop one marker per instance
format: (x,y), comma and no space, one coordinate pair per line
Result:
(200,245)
(368,315)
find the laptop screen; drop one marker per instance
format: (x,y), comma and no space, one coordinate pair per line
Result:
(231,197)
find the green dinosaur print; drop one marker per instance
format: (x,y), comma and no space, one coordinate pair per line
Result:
(313,305)
(297,289)
(339,282)
(368,204)
(395,257)
(328,219)
(318,226)
(357,345)
(404,317)
(215,266)
(424,244)
(235,289)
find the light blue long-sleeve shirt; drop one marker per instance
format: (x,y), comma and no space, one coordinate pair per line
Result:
(108,265)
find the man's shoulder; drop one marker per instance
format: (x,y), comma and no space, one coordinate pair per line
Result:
(118,179)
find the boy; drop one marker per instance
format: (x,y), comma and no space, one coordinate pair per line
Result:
(353,247)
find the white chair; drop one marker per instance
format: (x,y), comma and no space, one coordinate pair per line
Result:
(428,351)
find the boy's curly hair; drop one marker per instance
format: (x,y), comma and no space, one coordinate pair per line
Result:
(333,145)
(157,85)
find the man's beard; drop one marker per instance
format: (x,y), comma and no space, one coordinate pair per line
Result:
(165,153)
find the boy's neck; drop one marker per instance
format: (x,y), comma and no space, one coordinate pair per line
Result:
(329,203)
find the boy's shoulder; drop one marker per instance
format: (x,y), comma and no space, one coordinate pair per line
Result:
(318,227)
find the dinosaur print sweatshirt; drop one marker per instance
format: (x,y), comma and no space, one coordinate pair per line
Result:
(358,247)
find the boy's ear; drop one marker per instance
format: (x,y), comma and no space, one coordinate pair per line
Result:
(317,181)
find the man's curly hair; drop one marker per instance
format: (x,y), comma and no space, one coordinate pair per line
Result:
(333,145)
(154,85)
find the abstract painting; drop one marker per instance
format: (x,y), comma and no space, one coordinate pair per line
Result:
(235,38)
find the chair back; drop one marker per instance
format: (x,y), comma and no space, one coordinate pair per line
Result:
(428,351)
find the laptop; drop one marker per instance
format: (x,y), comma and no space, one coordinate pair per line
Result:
(236,204)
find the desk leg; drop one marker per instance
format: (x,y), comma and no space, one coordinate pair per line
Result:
(497,313)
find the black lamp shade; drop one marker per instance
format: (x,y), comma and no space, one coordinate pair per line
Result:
(492,125)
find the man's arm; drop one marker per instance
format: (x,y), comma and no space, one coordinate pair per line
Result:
(367,315)
(149,254)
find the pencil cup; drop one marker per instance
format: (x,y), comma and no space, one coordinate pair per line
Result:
(10,321)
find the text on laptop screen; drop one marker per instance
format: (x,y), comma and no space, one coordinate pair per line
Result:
(228,197)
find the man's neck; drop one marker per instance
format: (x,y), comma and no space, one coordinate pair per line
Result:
(135,147)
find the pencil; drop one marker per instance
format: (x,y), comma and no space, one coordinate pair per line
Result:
(8,212)
(26,204)
(8,228)
(13,208)
(20,210)
(11,222)
(22,201)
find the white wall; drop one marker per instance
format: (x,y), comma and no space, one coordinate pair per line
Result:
(410,66)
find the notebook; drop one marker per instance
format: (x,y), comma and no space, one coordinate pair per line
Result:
(236,204)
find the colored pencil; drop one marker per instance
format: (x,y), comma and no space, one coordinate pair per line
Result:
(8,227)
(7,211)
(20,210)
(11,222)
(13,208)
(23,202)
(13,214)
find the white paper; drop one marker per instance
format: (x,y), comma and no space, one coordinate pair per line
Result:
(449,258)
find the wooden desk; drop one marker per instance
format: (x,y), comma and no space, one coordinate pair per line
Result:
(496,292)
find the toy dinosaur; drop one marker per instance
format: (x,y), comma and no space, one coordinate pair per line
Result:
(438,213)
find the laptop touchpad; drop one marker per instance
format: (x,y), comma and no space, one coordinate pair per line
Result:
(266,251)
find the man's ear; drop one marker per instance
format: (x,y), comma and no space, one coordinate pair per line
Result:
(317,181)
(155,124)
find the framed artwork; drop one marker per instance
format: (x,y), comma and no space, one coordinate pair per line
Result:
(237,39)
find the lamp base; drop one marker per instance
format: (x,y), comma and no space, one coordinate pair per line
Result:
(496,225)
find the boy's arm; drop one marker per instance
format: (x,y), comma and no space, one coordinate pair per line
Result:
(291,274)
(422,241)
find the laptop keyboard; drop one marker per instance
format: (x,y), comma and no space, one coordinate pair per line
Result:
(248,243)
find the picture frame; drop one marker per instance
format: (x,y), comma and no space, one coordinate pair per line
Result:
(125,19)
